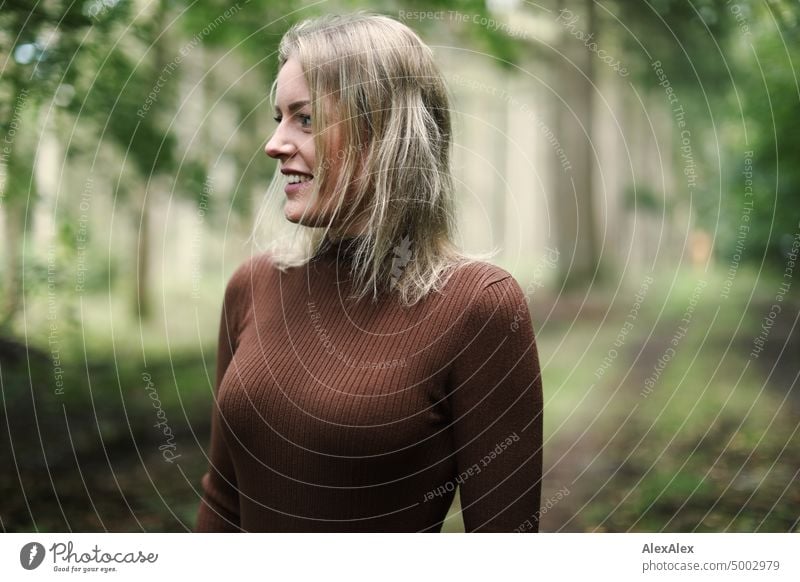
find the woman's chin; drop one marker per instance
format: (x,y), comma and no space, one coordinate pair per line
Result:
(293,212)
(298,214)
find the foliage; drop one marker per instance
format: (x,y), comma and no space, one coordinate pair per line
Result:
(770,97)
(689,38)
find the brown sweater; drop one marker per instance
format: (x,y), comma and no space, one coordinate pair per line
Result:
(340,416)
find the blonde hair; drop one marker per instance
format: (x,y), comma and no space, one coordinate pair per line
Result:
(374,81)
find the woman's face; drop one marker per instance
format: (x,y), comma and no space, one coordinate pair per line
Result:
(293,143)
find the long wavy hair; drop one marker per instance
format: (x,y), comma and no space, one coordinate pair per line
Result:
(374,84)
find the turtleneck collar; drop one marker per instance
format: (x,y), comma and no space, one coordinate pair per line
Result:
(342,248)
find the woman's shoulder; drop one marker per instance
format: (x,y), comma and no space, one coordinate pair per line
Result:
(248,273)
(488,295)
(475,276)
(481,288)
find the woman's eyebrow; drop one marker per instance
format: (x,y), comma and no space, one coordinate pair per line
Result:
(294,106)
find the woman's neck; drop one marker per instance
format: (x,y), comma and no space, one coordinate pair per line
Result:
(336,237)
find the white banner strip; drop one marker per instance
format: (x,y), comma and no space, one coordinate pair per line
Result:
(401,557)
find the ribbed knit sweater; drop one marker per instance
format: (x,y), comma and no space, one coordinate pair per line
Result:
(335,415)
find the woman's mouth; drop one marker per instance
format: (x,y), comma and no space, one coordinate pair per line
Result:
(296,182)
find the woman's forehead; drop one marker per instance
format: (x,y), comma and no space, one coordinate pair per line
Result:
(292,85)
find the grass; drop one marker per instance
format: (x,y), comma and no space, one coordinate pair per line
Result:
(713,446)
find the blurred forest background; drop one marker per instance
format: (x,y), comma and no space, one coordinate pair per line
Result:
(635,162)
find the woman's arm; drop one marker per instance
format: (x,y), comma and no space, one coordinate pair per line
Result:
(495,394)
(219,508)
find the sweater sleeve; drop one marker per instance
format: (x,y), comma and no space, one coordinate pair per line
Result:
(219,508)
(495,396)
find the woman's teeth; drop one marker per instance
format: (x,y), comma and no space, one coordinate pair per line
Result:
(297,178)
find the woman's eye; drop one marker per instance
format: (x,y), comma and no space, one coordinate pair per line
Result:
(305,120)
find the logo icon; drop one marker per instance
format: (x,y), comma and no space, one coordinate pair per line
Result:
(31,555)
(402,256)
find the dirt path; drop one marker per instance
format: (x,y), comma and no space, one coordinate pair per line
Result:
(724,481)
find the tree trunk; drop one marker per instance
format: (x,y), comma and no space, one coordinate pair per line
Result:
(500,160)
(142,306)
(14,231)
(16,180)
(574,203)
(142,298)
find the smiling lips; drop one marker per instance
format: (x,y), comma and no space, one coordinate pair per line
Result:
(298,178)
(295,180)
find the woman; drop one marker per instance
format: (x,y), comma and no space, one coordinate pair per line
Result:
(340,412)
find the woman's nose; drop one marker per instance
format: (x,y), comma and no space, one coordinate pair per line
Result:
(278,146)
